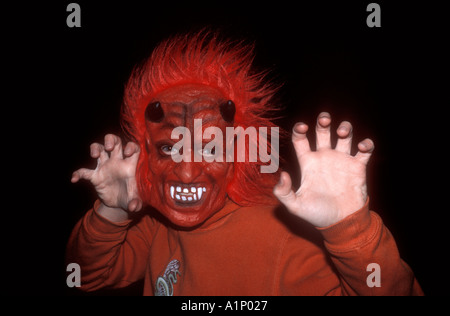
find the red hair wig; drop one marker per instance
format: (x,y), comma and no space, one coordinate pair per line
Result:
(203,58)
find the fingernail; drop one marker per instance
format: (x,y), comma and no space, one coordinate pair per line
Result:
(297,126)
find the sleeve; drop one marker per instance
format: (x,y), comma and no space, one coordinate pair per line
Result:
(366,257)
(109,254)
(360,258)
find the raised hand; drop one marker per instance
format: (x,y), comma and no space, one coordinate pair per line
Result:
(114,178)
(333,182)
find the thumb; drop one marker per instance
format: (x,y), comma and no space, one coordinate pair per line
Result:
(82,173)
(283,191)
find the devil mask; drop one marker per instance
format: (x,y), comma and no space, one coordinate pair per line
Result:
(187,78)
(186,192)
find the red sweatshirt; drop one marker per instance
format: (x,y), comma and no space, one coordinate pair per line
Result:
(241,251)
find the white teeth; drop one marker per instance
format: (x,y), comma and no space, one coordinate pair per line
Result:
(190,193)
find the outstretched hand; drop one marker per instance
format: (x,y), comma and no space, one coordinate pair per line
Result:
(333,182)
(114,178)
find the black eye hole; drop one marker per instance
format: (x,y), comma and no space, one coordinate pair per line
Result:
(227,110)
(154,112)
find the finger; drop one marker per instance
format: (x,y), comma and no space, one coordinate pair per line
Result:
(131,148)
(135,205)
(299,139)
(283,191)
(82,173)
(98,151)
(345,133)
(113,144)
(132,151)
(365,148)
(323,140)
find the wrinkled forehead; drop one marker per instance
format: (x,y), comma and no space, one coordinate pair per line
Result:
(180,105)
(188,93)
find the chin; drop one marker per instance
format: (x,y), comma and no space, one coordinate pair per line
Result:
(185,219)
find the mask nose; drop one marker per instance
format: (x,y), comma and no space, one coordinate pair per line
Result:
(188,172)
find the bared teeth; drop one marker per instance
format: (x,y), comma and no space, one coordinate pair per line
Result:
(187,193)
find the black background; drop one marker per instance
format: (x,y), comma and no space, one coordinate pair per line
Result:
(67,84)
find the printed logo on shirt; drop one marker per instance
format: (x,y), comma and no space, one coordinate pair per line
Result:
(164,284)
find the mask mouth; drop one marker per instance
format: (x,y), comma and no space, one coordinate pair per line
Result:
(187,194)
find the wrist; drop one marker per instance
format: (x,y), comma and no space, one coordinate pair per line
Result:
(112,214)
(352,232)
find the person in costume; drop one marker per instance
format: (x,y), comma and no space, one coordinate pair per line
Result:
(212,224)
